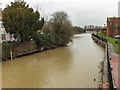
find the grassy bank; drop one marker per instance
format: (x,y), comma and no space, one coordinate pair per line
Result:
(112,41)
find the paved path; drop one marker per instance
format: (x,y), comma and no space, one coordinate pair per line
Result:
(116,69)
(115,61)
(112,52)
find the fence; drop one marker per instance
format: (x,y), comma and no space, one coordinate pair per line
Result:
(110,71)
(109,65)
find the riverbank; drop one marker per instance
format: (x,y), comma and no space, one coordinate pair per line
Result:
(115,42)
(14,50)
(56,68)
(111,62)
(18,49)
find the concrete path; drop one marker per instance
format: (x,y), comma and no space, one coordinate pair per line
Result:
(115,61)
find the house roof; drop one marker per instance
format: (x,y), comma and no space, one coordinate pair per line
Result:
(39,31)
(113,19)
(116,20)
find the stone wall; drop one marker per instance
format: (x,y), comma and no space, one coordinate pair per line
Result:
(24,48)
(97,40)
(19,49)
(108,79)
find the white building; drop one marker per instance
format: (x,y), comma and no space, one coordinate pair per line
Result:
(4,36)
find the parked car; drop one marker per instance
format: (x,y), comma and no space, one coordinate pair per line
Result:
(117,36)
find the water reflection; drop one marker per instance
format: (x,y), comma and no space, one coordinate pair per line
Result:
(74,66)
(37,70)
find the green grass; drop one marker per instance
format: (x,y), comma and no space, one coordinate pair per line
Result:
(112,41)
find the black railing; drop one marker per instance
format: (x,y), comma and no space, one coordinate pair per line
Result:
(100,38)
(110,71)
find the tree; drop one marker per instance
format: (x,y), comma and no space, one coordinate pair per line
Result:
(61,28)
(92,26)
(39,24)
(85,27)
(45,41)
(21,21)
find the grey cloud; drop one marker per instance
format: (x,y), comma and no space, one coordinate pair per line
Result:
(81,12)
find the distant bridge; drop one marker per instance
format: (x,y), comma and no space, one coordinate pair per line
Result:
(92,29)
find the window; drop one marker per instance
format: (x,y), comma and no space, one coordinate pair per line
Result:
(3,37)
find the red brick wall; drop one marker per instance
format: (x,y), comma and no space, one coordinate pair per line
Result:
(111,26)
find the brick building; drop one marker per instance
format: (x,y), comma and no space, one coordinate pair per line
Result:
(113,26)
(104,30)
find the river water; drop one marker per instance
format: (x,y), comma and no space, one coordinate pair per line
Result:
(74,66)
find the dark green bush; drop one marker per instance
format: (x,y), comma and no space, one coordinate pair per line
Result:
(45,41)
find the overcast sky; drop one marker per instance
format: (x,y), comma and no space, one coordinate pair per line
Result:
(81,12)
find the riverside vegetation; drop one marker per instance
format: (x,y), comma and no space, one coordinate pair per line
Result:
(114,41)
(23,22)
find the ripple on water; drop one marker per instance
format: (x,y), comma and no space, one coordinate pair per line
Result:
(73,67)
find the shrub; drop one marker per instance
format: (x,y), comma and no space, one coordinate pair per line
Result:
(45,41)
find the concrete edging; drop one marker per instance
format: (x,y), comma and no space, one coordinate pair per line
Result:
(110,53)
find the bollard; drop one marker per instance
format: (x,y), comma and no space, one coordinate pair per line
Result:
(11,54)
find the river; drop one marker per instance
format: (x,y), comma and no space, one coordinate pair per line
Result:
(73,66)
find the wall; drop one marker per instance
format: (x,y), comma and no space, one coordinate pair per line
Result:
(24,48)
(113,26)
(18,49)
(108,77)
(97,40)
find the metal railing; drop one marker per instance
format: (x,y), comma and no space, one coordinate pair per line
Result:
(100,38)
(110,70)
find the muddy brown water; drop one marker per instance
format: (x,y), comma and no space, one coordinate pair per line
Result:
(75,66)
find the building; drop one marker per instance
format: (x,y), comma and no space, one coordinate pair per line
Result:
(113,26)
(41,31)
(19,0)
(104,30)
(4,36)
